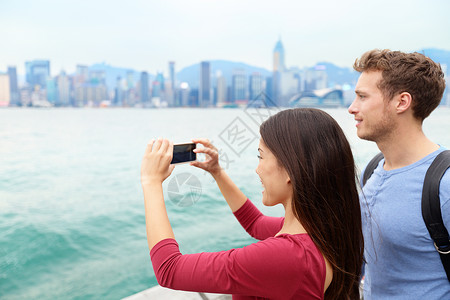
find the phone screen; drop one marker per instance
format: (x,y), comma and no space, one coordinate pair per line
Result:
(183,153)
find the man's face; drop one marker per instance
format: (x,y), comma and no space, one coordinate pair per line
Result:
(373,114)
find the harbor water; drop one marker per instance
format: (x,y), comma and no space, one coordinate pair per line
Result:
(72,220)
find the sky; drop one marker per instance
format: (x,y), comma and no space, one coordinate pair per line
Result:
(145,35)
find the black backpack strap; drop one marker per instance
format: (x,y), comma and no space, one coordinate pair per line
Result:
(431,208)
(371,166)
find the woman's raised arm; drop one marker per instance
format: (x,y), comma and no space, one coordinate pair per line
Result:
(232,194)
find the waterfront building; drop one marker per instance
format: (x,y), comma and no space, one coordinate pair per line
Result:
(172,96)
(221,89)
(256,85)
(193,98)
(13,87)
(118,92)
(82,73)
(130,80)
(5,94)
(315,78)
(239,85)
(64,87)
(184,94)
(278,57)
(288,86)
(205,84)
(278,68)
(158,85)
(144,88)
(51,91)
(318,98)
(37,72)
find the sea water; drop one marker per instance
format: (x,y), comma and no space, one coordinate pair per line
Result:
(72,222)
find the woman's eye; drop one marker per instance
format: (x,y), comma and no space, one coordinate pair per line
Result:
(259,156)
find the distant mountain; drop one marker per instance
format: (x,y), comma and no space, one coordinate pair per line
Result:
(339,75)
(191,74)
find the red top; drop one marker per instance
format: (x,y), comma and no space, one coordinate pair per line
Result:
(278,267)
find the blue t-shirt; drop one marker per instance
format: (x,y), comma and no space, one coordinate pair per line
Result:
(402,262)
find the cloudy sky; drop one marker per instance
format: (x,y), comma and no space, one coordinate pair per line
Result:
(146,34)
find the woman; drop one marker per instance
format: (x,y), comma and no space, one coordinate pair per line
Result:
(314,252)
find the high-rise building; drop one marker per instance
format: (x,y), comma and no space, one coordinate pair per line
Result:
(118,95)
(221,89)
(144,88)
(278,68)
(278,57)
(13,87)
(5,95)
(172,75)
(130,80)
(239,85)
(173,99)
(37,72)
(315,78)
(51,91)
(158,85)
(184,94)
(205,84)
(63,83)
(82,74)
(256,85)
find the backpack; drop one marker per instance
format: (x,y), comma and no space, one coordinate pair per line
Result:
(431,208)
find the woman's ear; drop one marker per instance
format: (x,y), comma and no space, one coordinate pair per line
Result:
(288,179)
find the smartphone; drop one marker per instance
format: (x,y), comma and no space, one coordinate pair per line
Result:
(183,153)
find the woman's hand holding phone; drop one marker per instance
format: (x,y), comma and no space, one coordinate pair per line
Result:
(156,167)
(211,164)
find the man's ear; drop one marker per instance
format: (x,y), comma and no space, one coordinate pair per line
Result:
(404,102)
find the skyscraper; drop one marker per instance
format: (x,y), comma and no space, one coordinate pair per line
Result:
(172,95)
(255,85)
(205,84)
(172,74)
(37,72)
(51,90)
(278,68)
(118,95)
(144,87)
(221,89)
(239,85)
(278,57)
(13,88)
(63,89)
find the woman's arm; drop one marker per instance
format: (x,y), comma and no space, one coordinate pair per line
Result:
(155,169)
(275,268)
(232,194)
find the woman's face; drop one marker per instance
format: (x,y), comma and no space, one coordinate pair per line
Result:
(274,178)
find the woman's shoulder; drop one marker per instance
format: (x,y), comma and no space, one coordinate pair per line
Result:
(291,258)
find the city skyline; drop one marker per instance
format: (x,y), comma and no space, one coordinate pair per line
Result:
(145,36)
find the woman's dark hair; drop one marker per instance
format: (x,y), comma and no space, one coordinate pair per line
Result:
(313,149)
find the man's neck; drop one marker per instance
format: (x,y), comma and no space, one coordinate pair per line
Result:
(405,147)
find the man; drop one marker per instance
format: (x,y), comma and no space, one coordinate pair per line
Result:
(394,94)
